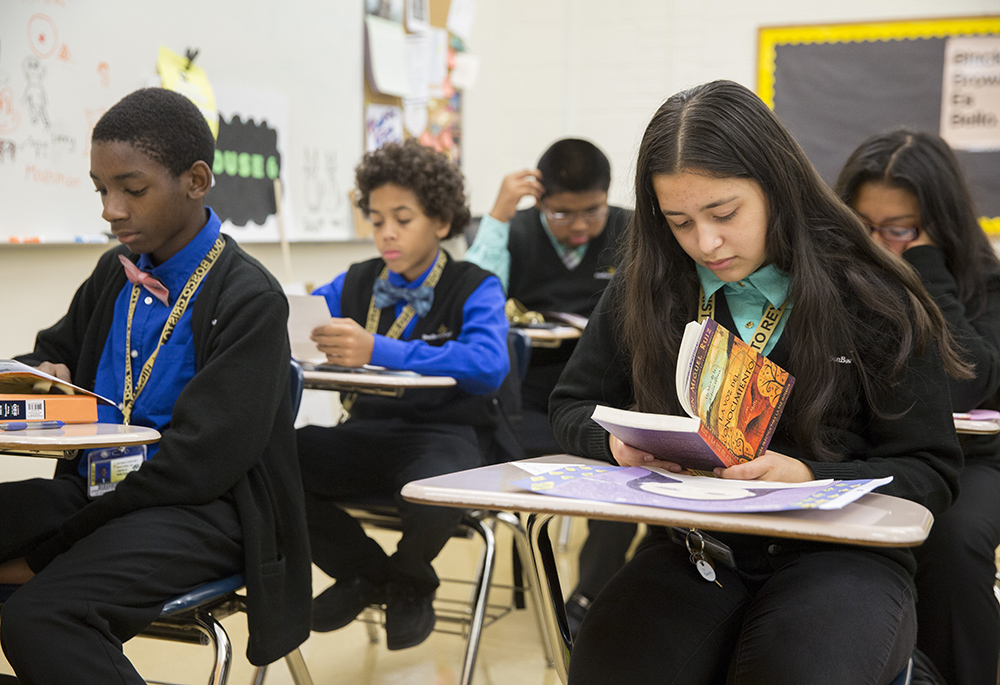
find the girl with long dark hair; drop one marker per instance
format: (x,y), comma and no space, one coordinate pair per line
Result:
(730,214)
(907,186)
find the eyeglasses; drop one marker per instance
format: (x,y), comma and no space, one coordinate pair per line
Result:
(591,216)
(896,234)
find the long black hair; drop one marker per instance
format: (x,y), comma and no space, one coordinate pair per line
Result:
(847,294)
(922,164)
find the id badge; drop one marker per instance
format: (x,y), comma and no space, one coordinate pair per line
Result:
(106,468)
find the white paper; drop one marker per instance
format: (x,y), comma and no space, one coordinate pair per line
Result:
(461,15)
(383,124)
(418,63)
(465,70)
(386,56)
(306,312)
(437,70)
(415,115)
(418,15)
(970,93)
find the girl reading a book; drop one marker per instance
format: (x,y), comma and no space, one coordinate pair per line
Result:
(907,186)
(733,221)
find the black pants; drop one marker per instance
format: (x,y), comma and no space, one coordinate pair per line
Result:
(535,433)
(957,613)
(602,554)
(67,624)
(837,616)
(365,459)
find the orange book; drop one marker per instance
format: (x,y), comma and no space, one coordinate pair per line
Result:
(65,408)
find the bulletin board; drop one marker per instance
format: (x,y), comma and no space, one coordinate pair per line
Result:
(835,85)
(287,78)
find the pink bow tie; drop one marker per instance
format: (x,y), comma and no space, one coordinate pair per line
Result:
(137,276)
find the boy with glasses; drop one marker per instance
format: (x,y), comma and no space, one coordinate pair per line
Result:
(558,256)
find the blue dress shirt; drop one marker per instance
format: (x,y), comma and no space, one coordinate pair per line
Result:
(175,363)
(477,359)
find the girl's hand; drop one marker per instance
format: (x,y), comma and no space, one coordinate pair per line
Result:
(344,342)
(770,466)
(630,456)
(15,572)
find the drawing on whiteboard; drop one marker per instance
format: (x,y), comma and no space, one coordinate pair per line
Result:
(34,93)
(8,150)
(40,146)
(43,39)
(324,201)
(10,118)
(103,73)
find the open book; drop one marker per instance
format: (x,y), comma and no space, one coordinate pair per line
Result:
(27,394)
(733,397)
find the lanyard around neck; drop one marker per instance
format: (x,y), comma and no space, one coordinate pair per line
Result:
(131,394)
(402,321)
(765,328)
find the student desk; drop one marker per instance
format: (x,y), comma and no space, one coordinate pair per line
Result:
(63,443)
(874,520)
(551,337)
(372,383)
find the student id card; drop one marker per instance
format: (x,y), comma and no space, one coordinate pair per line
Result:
(106,468)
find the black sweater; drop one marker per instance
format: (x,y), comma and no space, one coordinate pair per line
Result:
(977,330)
(231,434)
(920,449)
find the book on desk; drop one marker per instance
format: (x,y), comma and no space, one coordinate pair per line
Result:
(27,394)
(733,397)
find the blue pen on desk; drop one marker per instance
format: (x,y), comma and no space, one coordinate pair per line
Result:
(24,425)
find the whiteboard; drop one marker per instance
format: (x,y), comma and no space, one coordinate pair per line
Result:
(65,62)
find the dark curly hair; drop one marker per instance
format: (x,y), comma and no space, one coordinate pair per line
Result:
(433,178)
(162,124)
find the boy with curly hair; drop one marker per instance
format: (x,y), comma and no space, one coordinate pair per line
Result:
(413,308)
(188,331)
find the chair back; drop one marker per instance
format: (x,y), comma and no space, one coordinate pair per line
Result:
(297,383)
(520,349)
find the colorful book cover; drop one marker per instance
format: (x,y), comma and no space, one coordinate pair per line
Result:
(645,487)
(65,408)
(737,393)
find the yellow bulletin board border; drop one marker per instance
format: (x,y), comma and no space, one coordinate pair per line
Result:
(770,37)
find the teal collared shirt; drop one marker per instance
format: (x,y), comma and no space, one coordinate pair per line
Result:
(489,250)
(748,299)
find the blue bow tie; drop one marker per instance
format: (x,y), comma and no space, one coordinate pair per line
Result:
(420,298)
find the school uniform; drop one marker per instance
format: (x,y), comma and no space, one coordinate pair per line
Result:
(959,626)
(220,494)
(791,611)
(388,442)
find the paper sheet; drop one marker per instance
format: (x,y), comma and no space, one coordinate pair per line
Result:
(385,56)
(306,312)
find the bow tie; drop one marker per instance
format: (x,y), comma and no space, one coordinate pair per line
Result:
(137,276)
(420,298)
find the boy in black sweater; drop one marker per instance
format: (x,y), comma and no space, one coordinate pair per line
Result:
(558,256)
(199,337)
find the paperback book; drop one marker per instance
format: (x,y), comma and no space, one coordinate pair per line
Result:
(733,397)
(27,394)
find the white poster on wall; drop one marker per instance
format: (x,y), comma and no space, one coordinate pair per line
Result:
(970,96)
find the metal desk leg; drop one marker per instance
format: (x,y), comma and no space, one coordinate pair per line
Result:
(547,574)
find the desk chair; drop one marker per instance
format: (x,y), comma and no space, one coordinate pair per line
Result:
(194,617)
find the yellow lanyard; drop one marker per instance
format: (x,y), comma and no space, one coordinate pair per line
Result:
(131,394)
(401,322)
(765,328)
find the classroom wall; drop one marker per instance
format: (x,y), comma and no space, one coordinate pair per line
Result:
(598,69)
(592,68)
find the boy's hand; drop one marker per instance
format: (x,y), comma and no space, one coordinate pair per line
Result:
(15,571)
(770,466)
(60,371)
(514,187)
(344,342)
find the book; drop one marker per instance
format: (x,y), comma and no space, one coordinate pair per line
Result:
(36,408)
(653,487)
(27,394)
(733,397)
